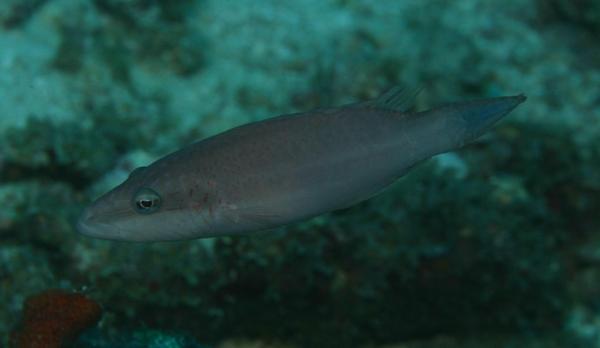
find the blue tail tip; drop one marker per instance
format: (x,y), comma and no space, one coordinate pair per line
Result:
(481,115)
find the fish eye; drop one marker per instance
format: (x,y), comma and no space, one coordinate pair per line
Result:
(146,201)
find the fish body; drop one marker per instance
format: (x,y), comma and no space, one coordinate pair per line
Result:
(285,169)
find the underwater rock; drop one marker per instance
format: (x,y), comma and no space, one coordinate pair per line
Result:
(15,13)
(435,255)
(143,338)
(252,344)
(24,269)
(54,318)
(583,13)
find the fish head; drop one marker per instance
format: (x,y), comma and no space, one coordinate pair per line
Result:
(148,206)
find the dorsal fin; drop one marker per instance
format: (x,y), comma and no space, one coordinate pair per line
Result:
(396,99)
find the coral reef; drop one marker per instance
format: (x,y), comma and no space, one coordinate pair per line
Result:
(583,13)
(24,270)
(54,318)
(137,339)
(16,13)
(492,246)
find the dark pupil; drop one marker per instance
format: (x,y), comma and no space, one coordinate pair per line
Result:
(145,203)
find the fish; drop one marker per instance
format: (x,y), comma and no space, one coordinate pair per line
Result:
(286,169)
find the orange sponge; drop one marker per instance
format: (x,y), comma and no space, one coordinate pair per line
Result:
(54,318)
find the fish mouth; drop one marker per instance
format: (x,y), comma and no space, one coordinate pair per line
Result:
(88,225)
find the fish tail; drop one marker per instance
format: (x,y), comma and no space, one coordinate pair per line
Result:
(454,125)
(480,115)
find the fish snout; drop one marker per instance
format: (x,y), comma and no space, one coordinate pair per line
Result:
(90,224)
(85,223)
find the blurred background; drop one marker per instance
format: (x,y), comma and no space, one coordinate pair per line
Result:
(495,245)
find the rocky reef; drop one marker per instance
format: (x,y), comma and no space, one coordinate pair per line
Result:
(495,245)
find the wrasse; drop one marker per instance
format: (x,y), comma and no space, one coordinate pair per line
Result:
(285,169)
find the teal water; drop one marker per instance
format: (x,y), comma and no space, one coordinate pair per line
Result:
(495,245)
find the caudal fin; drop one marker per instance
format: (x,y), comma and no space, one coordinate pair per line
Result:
(480,115)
